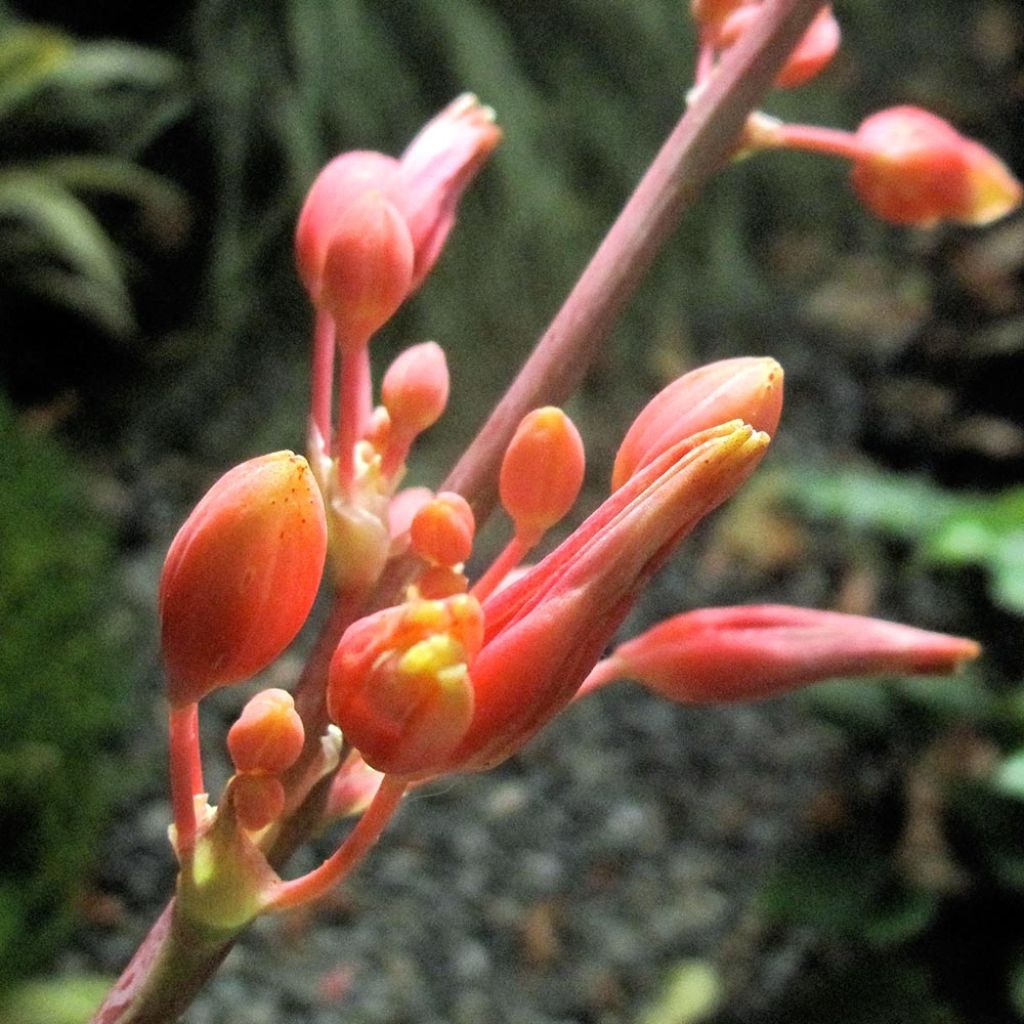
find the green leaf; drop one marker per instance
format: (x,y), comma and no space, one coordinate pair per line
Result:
(29,56)
(66,1000)
(1008,778)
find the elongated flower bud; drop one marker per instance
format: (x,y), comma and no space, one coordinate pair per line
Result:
(748,653)
(435,169)
(442,530)
(342,183)
(367,269)
(398,686)
(746,388)
(241,575)
(542,472)
(917,169)
(545,631)
(268,735)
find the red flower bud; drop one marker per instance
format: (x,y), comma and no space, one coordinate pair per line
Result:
(241,575)
(747,388)
(367,269)
(812,54)
(268,735)
(442,530)
(542,472)
(748,653)
(415,388)
(918,169)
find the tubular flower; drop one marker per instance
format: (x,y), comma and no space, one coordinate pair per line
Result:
(241,575)
(749,653)
(424,186)
(538,637)
(915,168)
(398,685)
(746,388)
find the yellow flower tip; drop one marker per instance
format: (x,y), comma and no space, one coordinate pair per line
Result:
(748,388)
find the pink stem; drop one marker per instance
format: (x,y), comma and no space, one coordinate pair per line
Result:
(356,846)
(355,397)
(322,372)
(701,142)
(830,141)
(705,63)
(186,771)
(515,551)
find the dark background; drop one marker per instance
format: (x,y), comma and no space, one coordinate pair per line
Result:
(855,849)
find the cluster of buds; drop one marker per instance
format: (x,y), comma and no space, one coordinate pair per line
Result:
(908,166)
(446,674)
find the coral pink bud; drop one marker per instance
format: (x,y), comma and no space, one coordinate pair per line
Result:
(368,268)
(442,530)
(812,54)
(346,179)
(746,388)
(436,167)
(415,388)
(917,169)
(542,472)
(398,685)
(268,735)
(241,575)
(747,653)
(257,799)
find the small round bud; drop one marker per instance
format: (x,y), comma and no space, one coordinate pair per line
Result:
(415,388)
(268,735)
(917,169)
(542,472)
(442,530)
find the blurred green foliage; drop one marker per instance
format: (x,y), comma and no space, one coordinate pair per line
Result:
(61,691)
(58,100)
(945,528)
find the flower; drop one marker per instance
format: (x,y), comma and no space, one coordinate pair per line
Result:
(423,187)
(431,687)
(915,168)
(241,575)
(757,651)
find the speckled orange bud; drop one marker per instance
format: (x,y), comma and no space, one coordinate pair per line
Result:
(442,530)
(268,735)
(542,472)
(257,799)
(747,388)
(241,575)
